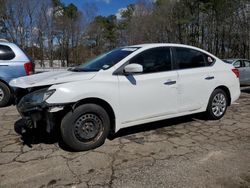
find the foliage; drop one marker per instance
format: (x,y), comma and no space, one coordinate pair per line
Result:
(51,30)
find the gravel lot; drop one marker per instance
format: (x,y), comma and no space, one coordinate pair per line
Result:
(181,152)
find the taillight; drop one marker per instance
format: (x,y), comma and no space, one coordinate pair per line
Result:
(29,68)
(236,72)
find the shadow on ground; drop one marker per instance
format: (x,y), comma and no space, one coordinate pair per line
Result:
(39,135)
(155,126)
(245,90)
(34,136)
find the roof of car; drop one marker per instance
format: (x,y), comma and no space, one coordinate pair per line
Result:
(6,43)
(235,59)
(159,44)
(152,45)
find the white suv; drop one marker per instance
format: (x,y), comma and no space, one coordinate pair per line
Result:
(128,86)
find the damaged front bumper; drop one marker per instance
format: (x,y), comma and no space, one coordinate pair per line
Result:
(43,114)
(35,111)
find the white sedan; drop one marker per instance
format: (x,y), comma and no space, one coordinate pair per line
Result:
(125,87)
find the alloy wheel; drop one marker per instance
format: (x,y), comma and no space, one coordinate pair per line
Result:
(219,104)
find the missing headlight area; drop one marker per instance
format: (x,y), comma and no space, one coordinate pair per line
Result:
(36,97)
(19,93)
(32,106)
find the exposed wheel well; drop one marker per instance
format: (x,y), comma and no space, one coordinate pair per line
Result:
(11,97)
(6,84)
(226,90)
(11,90)
(103,104)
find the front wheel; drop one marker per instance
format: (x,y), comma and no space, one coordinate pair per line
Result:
(86,127)
(217,105)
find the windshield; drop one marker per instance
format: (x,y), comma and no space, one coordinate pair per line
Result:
(106,60)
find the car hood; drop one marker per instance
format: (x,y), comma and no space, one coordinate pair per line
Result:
(50,78)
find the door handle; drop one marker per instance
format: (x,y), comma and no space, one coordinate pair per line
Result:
(209,78)
(170,82)
(4,65)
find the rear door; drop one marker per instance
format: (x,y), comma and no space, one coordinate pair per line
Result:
(11,63)
(196,78)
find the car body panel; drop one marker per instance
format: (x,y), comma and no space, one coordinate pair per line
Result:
(246,64)
(11,70)
(50,78)
(149,94)
(239,65)
(191,83)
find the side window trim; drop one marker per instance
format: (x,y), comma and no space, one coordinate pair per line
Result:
(173,65)
(242,63)
(176,66)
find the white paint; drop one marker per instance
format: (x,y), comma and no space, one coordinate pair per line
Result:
(140,98)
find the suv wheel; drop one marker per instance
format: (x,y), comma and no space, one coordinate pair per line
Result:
(86,127)
(217,105)
(5,95)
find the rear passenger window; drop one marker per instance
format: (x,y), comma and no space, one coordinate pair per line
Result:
(6,53)
(189,58)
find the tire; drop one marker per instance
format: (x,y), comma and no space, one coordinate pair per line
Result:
(217,105)
(86,127)
(5,95)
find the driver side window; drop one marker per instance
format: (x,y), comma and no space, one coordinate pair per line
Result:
(154,60)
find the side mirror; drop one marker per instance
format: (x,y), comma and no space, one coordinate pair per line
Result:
(133,68)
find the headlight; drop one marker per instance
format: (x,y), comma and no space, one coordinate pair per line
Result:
(47,94)
(36,97)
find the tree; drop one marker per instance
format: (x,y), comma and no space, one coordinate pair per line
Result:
(50,30)
(103,33)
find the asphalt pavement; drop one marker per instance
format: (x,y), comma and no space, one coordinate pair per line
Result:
(180,152)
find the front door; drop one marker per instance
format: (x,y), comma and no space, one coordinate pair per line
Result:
(152,94)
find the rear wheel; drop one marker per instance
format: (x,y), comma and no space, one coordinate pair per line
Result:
(217,105)
(86,127)
(5,95)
